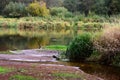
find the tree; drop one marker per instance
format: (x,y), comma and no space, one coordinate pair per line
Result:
(54,3)
(3,4)
(84,6)
(113,6)
(6,2)
(71,5)
(108,7)
(38,9)
(14,9)
(99,7)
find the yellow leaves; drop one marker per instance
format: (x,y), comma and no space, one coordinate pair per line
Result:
(33,9)
(38,9)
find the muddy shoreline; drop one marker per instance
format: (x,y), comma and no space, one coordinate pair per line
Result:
(31,61)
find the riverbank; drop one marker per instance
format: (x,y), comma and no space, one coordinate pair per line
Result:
(44,71)
(28,64)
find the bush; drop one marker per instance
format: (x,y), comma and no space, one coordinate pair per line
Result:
(108,44)
(60,11)
(38,9)
(80,48)
(68,14)
(14,9)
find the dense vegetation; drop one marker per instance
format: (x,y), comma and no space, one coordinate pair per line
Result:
(102,47)
(80,48)
(106,7)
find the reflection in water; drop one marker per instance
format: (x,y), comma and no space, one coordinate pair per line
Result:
(12,42)
(103,71)
(31,40)
(106,72)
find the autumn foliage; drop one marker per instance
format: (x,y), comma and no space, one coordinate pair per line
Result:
(38,9)
(108,44)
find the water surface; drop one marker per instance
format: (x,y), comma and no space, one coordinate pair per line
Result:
(32,40)
(103,71)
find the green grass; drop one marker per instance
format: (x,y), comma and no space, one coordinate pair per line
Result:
(4,70)
(56,47)
(66,75)
(21,77)
(5,52)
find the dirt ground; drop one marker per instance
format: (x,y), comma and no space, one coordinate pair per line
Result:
(43,71)
(28,63)
(30,55)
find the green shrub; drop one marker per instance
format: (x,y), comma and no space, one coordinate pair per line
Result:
(55,11)
(80,48)
(14,9)
(108,44)
(60,11)
(38,9)
(68,14)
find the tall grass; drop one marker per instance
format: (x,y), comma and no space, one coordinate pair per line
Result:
(92,23)
(108,44)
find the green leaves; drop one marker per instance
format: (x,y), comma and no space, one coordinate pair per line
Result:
(80,48)
(14,9)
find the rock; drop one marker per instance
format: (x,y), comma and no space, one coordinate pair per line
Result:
(57,58)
